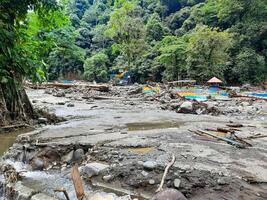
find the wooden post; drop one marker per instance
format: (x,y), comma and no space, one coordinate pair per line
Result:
(77,182)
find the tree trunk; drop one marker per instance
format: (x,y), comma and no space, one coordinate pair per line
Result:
(15,106)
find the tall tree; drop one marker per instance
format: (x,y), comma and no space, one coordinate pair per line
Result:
(16,62)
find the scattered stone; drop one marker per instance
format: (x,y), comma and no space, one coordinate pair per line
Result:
(61,103)
(93,169)
(124,132)
(170,194)
(38,164)
(60,94)
(177,183)
(42,196)
(42,120)
(186,107)
(144,173)
(34,101)
(78,155)
(22,192)
(107,178)
(151,181)
(68,157)
(70,105)
(149,164)
(223,181)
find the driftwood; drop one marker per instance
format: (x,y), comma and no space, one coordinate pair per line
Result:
(165,174)
(256,136)
(249,97)
(235,125)
(230,141)
(64,192)
(102,88)
(77,182)
(14,126)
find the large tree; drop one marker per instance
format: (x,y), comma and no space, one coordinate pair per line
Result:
(16,62)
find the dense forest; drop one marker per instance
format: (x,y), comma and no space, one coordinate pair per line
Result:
(158,40)
(155,40)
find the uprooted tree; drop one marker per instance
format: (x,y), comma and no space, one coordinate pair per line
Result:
(16,60)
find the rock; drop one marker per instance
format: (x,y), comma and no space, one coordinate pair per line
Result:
(68,157)
(34,101)
(107,178)
(223,181)
(144,173)
(98,196)
(70,105)
(177,183)
(61,103)
(124,132)
(42,120)
(42,196)
(22,192)
(60,94)
(37,164)
(151,181)
(135,90)
(149,164)
(93,169)
(170,194)
(186,107)
(78,155)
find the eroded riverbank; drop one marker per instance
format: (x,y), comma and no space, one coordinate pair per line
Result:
(125,143)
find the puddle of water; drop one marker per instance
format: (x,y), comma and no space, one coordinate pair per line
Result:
(7,139)
(142,150)
(138,126)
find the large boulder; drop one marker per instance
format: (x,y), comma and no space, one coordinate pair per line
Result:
(186,107)
(170,194)
(93,169)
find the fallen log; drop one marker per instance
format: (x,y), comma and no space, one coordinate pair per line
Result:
(255,137)
(235,125)
(249,97)
(15,126)
(102,88)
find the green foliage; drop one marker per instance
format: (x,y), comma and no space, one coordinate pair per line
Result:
(154,28)
(163,39)
(250,67)
(127,31)
(207,54)
(95,68)
(172,56)
(16,60)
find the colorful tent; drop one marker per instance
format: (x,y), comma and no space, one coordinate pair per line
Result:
(214,80)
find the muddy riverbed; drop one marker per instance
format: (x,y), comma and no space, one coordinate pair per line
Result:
(122,145)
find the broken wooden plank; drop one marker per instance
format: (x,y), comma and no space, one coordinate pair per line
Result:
(230,141)
(77,182)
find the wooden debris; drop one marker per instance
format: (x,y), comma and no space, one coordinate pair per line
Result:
(165,174)
(235,125)
(102,88)
(242,141)
(256,136)
(77,182)
(64,192)
(15,126)
(230,141)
